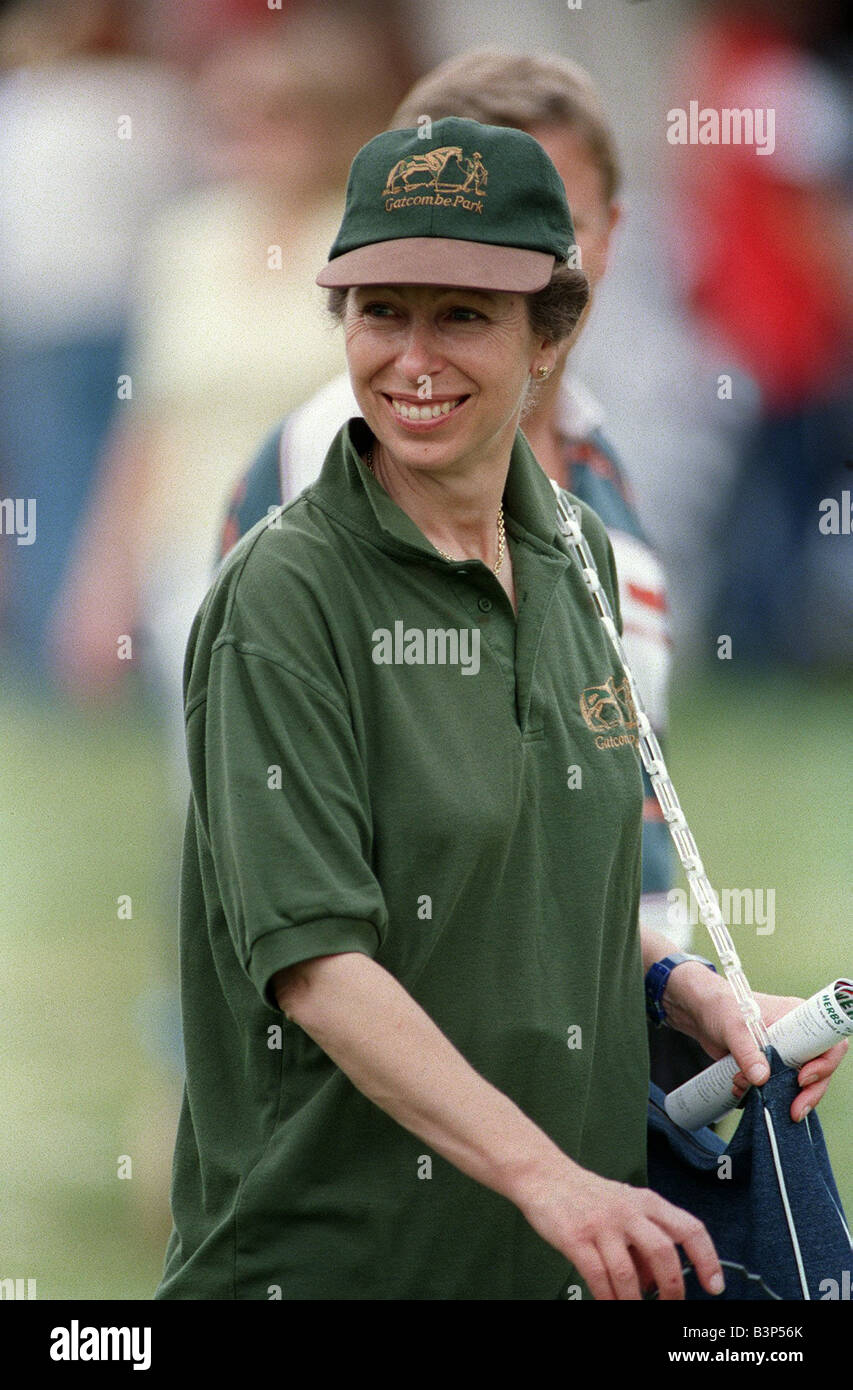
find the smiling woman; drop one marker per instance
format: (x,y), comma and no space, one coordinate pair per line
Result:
(398,918)
(447,333)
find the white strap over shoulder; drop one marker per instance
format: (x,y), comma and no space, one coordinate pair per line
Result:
(653,761)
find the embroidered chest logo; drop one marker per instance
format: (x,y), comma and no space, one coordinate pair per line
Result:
(610,712)
(444,178)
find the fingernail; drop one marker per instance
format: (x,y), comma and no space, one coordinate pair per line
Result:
(718,1283)
(758,1073)
(807,1111)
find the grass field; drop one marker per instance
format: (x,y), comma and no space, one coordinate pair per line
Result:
(87,1049)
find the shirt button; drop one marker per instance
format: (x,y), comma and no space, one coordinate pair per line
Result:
(484,605)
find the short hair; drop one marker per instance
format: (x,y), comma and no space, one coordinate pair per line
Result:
(553,312)
(523,90)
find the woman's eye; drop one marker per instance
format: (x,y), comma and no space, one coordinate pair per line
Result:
(463,315)
(379,311)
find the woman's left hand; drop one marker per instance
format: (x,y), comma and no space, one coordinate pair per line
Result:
(706,1009)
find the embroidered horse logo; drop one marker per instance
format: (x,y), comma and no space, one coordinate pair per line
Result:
(608,706)
(445,170)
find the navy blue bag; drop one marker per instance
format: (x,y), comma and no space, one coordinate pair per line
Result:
(776,1220)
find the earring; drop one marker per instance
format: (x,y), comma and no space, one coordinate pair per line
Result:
(542,372)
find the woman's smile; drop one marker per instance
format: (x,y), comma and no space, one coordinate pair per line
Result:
(419,415)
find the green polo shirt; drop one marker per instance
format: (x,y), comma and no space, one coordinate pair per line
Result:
(385,758)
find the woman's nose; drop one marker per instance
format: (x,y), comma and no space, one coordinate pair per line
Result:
(419,353)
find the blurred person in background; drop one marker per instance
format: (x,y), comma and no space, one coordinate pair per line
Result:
(555,101)
(76,188)
(767,271)
(228,328)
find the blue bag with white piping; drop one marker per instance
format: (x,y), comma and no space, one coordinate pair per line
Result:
(768,1198)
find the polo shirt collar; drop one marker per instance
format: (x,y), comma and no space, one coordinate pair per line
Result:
(347,489)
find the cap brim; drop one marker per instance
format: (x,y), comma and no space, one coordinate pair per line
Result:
(472,265)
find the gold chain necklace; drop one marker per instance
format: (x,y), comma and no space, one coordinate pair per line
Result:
(496,569)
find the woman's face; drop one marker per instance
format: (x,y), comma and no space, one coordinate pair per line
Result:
(461,358)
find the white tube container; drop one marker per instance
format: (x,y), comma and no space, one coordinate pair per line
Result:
(802,1034)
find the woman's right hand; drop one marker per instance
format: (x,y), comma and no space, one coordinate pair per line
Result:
(621,1239)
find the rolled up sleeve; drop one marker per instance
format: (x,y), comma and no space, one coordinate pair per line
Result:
(281,794)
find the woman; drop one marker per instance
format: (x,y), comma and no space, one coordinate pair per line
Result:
(408,834)
(555,101)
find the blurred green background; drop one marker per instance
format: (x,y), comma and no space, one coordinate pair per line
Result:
(88,1042)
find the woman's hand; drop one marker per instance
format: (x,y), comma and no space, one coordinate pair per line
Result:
(621,1239)
(703,1006)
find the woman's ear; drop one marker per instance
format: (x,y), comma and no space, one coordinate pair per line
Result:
(546,355)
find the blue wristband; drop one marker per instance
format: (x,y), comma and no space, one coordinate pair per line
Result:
(657,979)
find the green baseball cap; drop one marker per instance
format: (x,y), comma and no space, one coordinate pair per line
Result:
(478,206)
